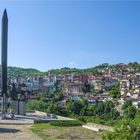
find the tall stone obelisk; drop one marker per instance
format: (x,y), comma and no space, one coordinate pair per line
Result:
(4,40)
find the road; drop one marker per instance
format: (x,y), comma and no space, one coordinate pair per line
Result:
(17,132)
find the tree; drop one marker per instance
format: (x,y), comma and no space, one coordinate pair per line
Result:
(36,105)
(60,97)
(55,108)
(84,111)
(130,112)
(13,92)
(114,114)
(75,107)
(108,106)
(90,110)
(87,88)
(52,108)
(126,104)
(125,130)
(69,107)
(99,109)
(115,93)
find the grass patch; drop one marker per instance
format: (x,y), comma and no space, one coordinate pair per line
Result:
(51,132)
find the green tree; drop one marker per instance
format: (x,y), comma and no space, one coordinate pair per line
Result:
(57,109)
(61,97)
(87,88)
(75,107)
(115,93)
(52,108)
(114,114)
(126,104)
(108,106)
(36,105)
(130,112)
(99,109)
(125,130)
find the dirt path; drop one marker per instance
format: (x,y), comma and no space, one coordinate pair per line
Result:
(17,132)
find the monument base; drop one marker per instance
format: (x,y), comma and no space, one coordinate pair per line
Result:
(19,107)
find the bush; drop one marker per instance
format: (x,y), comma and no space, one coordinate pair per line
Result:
(82,119)
(66,123)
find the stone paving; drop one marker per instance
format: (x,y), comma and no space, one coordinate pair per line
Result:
(16,122)
(17,132)
(19,128)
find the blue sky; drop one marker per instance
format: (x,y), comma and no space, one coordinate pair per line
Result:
(54,34)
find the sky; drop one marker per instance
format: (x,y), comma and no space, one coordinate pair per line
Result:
(74,33)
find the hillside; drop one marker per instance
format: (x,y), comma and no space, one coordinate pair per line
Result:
(16,71)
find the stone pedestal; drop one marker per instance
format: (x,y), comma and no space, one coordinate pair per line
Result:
(19,107)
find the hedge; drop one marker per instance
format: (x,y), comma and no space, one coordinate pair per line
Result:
(66,123)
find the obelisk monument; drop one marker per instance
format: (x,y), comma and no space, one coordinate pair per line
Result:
(4,40)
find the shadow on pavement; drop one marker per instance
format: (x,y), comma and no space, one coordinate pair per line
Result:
(8,130)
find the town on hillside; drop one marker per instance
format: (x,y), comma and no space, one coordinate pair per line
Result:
(120,82)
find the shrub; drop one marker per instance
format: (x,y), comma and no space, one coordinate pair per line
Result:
(82,119)
(66,123)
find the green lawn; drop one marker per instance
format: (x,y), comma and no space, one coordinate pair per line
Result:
(49,132)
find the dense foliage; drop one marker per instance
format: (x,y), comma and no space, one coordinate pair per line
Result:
(127,128)
(36,105)
(128,123)
(102,112)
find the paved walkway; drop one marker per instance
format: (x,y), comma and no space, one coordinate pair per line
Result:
(17,122)
(17,132)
